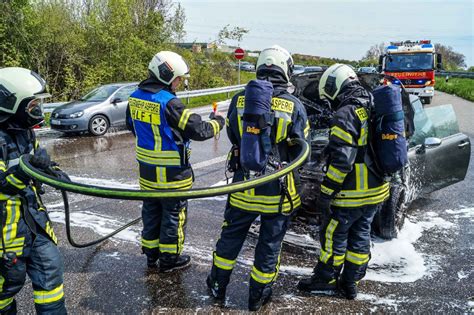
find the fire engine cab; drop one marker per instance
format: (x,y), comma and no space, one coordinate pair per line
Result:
(414,64)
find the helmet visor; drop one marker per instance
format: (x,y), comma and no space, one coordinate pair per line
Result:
(34,109)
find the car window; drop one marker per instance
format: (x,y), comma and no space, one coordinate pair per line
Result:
(100,94)
(125,92)
(439,121)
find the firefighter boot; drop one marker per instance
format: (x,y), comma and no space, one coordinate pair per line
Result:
(323,279)
(258,297)
(217,289)
(348,289)
(170,262)
(10,309)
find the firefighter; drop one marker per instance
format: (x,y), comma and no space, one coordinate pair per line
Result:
(163,128)
(351,191)
(275,65)
(28,243)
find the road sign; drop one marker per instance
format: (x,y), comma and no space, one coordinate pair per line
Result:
(239,53)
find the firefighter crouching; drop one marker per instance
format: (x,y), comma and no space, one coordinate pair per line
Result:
(351,192)
(275,65)
(163,128)
(28,243)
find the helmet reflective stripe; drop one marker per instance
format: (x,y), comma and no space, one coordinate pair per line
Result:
(278,57)
(334,78)
(17,84)
(167,66)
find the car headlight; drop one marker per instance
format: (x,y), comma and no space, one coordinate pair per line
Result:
(76,114)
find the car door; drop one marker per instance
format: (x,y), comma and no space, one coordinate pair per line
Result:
(118,109)
(443,159)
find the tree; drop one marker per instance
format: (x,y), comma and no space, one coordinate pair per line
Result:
(236,33)
(451,60)
(372,55)
(177,23)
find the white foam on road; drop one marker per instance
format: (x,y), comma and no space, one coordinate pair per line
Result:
(391,300)
(104,182)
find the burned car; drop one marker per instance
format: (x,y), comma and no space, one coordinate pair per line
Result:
(438,154)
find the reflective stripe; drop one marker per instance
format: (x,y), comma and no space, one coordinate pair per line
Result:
(306,130)
(262,277)
(162,183)
(351,203)
(2,280)
(240,114)
(341,134)
(184,119)
(4,303)
(358,259)
(157,156)
(169,248)
(282,130)
(182,220)
(362,176)
(326,190)
(15,182)
(223,263)
(17,250)
(44,297)
(371,192)
(151,243)
(327,252)
(13,216)
(215,126)
(335,175)
(49,230)
(3,167)
(338,260)
(227,122)
(257,204)
(363,134)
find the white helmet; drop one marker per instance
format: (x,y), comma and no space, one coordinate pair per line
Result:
(167,66)
(334,78)
(17,84)
(276,58)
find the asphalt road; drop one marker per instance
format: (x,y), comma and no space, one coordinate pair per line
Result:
(427,269)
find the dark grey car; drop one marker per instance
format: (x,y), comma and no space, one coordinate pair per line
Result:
(96,112)
(438,153)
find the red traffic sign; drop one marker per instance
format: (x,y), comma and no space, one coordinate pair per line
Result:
(239,53)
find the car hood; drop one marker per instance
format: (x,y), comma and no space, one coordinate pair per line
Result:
(74,106)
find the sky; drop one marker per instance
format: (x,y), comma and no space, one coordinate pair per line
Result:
(337,28)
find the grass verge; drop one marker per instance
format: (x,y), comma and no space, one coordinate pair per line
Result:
(461,87)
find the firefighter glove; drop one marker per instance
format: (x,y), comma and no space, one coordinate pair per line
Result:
(41,159)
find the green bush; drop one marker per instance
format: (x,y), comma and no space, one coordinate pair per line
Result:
(462,87)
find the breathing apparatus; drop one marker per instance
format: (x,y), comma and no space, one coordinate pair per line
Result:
(54,179)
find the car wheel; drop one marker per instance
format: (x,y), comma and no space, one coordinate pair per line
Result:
(426,100)
(98,125)
(390,217)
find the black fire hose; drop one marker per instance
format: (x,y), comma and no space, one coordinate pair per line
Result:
(130,194)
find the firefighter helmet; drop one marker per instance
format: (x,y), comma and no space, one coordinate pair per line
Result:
(167,66)
(334,79)
(276,58)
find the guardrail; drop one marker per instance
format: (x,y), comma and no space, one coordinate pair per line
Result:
(49,107)
(457,74)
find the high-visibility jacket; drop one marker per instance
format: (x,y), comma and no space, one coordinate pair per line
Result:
(163,128)
(290,123)
(349,180)
(21,206)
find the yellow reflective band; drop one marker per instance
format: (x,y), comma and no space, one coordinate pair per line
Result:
(223,263)
(341,134)
(335,175)
(281,130)
(357,259)
(151,243)
(184,119)
(352,203)
(328,244)
(182,220)
(227,122)
(326,190)
(263,204)
(215,126)
(363,134)
(262,277)
(15,182)
(2,280)
(3,167)
(338,260)
(362,176)
(306,130)
(49,230)
(240,123)
(13,216)
(158,153)
(371,192)
(169,248)
(5,302)
(44,297)
(17,250)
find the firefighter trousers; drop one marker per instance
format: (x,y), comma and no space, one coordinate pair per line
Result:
(345,243)
(164,223)
(267,252)
(44,266)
